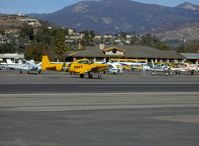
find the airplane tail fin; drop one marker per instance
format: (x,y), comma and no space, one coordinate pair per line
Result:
(152,63)
(45,62)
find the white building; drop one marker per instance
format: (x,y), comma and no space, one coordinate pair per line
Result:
(12,56)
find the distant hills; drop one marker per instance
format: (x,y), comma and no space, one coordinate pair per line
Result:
(112,16)
(188,32)
(10,21)
(188,6)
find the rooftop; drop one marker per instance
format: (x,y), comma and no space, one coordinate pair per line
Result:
(130,52)
(190,55)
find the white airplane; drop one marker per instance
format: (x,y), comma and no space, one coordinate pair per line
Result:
(28,66)
(185,67)
(9,62)
(114,68)
(133,63)
(137,65)
(160,68)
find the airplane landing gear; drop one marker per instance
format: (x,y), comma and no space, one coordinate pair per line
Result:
(177,72)
(39,72)
(81,75)
(99,76)
(90,76)
(170,73)
(192,72)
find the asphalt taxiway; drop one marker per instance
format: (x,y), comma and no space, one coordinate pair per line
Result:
(118,110)
(52,82)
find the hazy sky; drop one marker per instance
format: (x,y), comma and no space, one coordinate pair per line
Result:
(47,6)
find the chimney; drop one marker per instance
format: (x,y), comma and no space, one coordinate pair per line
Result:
(101,46)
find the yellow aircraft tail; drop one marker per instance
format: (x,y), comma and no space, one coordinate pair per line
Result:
(47,65)
(45,62)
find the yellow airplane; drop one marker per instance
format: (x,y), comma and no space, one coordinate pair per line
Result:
(83,66)
(47,65)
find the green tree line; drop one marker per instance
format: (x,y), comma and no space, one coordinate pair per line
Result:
(46,41)
(190,47)
(35,42)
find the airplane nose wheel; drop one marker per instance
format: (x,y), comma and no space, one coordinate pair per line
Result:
(81,75)
(90,76)
(99,76)
(192,72)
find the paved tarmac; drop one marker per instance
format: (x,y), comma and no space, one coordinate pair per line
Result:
(57,109)
(51,82)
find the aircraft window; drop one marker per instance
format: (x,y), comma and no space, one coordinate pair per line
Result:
(84,62)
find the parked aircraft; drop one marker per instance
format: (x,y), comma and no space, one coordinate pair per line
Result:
(27,66)
(9,62)
(114,68)
(83,66)
(47,65)
(136,65)
(160,68)
(184,67)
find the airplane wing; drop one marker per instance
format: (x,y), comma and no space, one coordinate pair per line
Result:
(158,69)
(27,66)
(99,68)
(16,66)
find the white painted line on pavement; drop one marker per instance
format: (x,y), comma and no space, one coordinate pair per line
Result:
(111,93)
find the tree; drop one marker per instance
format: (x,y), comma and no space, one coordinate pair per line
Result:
(34,51)
(123,35)
(59,44)
(152,41)
(88,38)
(27,32)
(134,40)
(7,48)
(2,31)
(45,35)
(189,47)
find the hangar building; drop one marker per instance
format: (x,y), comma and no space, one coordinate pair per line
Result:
(124,53)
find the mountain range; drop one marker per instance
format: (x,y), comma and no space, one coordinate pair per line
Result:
(112,16)
(188,6)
